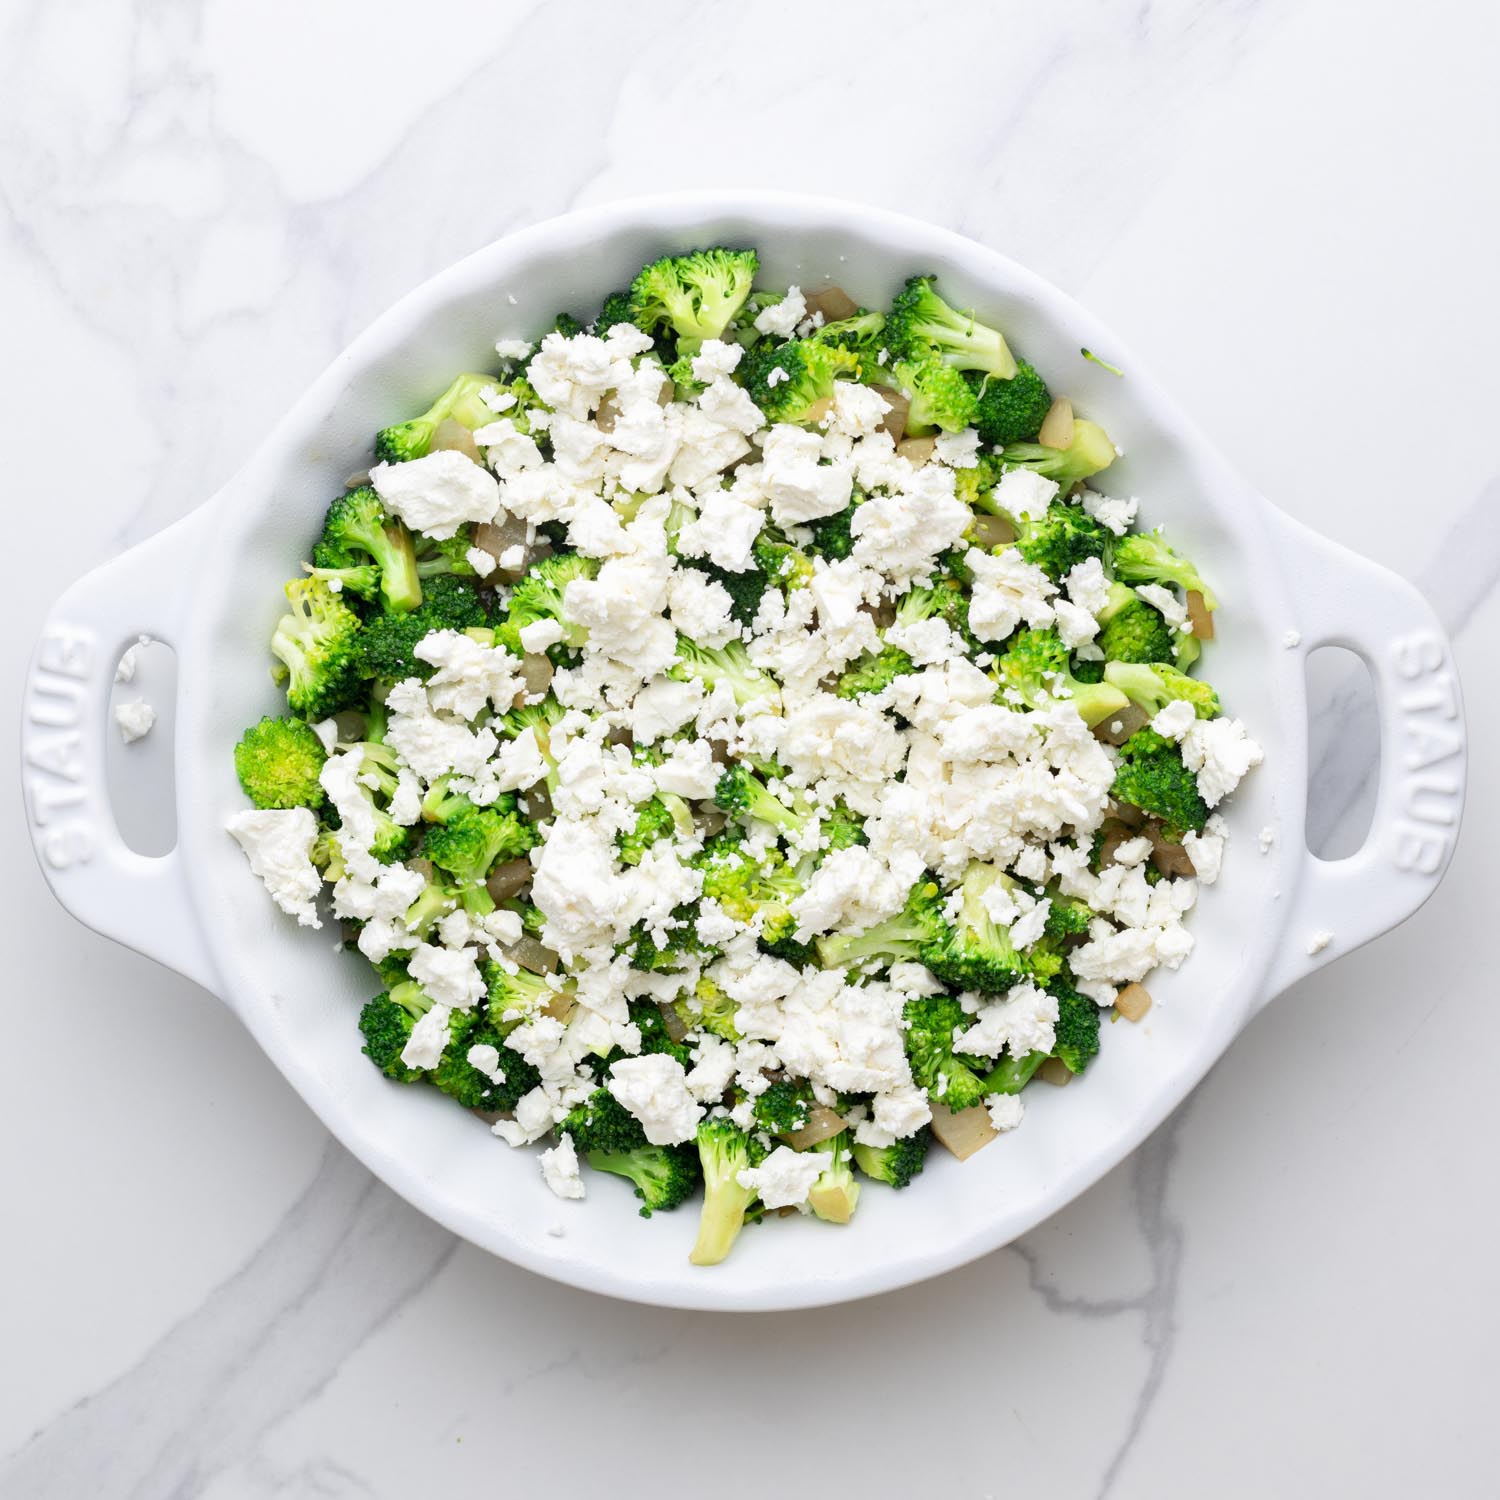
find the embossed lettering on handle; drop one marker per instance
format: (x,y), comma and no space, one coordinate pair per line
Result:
(58,714)
(1429,754)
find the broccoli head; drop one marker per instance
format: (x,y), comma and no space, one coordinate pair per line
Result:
(784,1107)
(939,396)
(470,841)
(1077,1029)
(612,1140)
(695,294)
(832,536)
(357,527)
(539,595)
(921,324)
(834,1196)
(616,309)
(317,644)
(917,928)
(446,554)
(780,562)
(724,1151)
(932,1021)
(708,1009)
(974,952)
(1035,665)
(1146,558)
(1132,630)
(387,644)
(659,817)
(874,672)
(1151,775)
(729,663)
(413,438)
(786,380)
(897,1163)
(1063,536)
(742,794)
(1089,452)
(278,762)
(1011,411)
(1153,687)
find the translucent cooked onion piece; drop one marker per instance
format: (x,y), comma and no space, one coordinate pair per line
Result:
(497,538)
(1133,1001)
(992,531)
(1171,859)
(532,955)
(898,409)
(1200,616)
(916,451)
(832,301)
(1056,1072)
(454,437)
(822,1125)
(676,1027)
(536,672)
(508,880)
(1057,425)
(1129,719)
(964,1133)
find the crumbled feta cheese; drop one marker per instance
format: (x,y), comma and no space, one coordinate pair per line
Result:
(539,635)
(1318,941)
(437,493)
(1205,850)
(450,975)
(513,348)
(1173,720)
(715,358)
(901,534)
(959,450)
(782,318)
(1005,1110)
(1266,837)
(1220,753)
(784,1178)
(482,562)
(1006,590)
(1025,494)
(688,771)
(278,843)
(798,485)
(700,608)
(724,531)
(560,1168)
(1292,639)
(134,719)
(1172,609)
(1087,586)
(424,1047)
(1117,515)
(484,1058)
(1023,1021)
(129,659)
(654,1089)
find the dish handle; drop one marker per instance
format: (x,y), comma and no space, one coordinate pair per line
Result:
(1345,600)
(138,900)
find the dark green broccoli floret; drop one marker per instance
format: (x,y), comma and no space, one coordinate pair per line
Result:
(682,946)
(940,398)
(1060,538)
(784,1107)
(875,671)
(1153,687)
(835,1195)
(616,309)
(1151,776)
(696,294)
(729,663)
(974,952)
(786,380)
(656,1036)
(611,1140)
(831,535)
(1146,558)
(470,841)
(1011,411)
(724,1151)
(897,1163)
(514,997)
(1090,452)
(317,644)
(932,1021)
(357,527)
(744,589)
(278,762)
(1077,1029)
(859,333)
(387,1022)
(539,595)
(1035,665)
(921,324)
(388,642)
(457,1077)
(1132,630)
(742,794)
(413,438)
(1067,918)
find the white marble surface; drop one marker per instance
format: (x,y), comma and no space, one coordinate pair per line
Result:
(1290,211)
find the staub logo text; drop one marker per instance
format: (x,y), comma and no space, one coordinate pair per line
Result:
(57,714)
(1429,754)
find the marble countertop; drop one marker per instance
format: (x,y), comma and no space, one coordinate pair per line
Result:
(1289,211)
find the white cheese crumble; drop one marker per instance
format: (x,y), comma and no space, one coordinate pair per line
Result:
(134,719)
(437,493)
(278,843)
(655,1090)
(784,1178)
(560,1168)
(1318,941)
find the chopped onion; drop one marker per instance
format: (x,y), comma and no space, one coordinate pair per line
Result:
(883,614)
(492,1116)
(609,410)
(1127,812)
(1057,426)
(452,436)
(916,451)
(1169,858)
(1200,616)
(822,1125)
(992,531)
(497,538)
(536,672)
(832,301)
(1130,718)
(676,1027)
(1056,1072)
(530,954)
(1115,833)
(815,413)
(536,802)
(560,1006)
(711,819)
(894,421)
(508,879)
(1133,1001)
(357,480)
(963,1133)
(667,394)
(352,726)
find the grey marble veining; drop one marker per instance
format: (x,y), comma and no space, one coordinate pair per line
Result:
(1287,210)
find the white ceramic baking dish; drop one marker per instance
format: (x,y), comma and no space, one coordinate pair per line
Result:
(211,587)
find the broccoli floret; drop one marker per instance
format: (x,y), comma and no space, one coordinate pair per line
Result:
(1146,558)
(920,323)
(729,663)
(724,1151)
(1077,1030)
(388,642)
(939,396)
(786,380)
(1089,453)
(874,672)
(413,438)
(784,1107)
(1060,538)
(446,555)
(744,589)
(931,1024)
(317,644)
(696,294)
(1132,630)
(514,997)
(780,562)
(357,526)
(897,1163)
(742,794)
(1151,775)
(539,595)
(708,1009)
(1011,411)
(835,1195)
(470,841)
(1035,665)
(859,333)
(975,952)
(539,718)
(917,928)
(1153,687)
(457,1077)
(362,580)
(660,817)
(616,309)
(682,946)
(1067,918)
(278,762)
(747,887)
(611,1140)
(386,1023)
(975,485)
(391,840)
(832,536)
